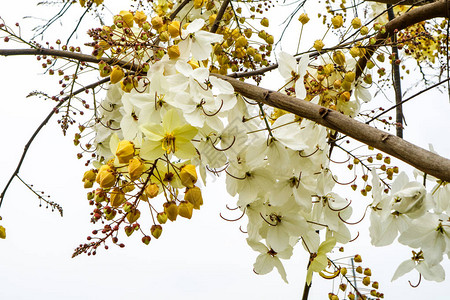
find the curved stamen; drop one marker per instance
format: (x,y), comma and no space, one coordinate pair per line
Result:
(231,208)
(340,209)
(238,178)
(353,223)
(266,220)
(315,151)
(211,115)
(357,236)
(414,286)
(248,102)
(240,228)
(229,220)
(338,162)
(334,179)
(232,143)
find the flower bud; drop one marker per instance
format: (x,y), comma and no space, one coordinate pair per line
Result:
(117,197)
(133,215)
(161,217)
(146,239)
(173,51)
(367,272)
(174,29)
(185,209)
(339,57)
(337,21)
(337,84)
(135,168)
(364,30)
(146,26)
(265,22)
(140,18)
(129,230)
(356,23)
(89,177)
(171,209)
(164,37)
(350,76)
(126,17)
(116,74)
(2,232)
(194,196)
(156,231)
(343,271)
(366,280)
(318,45)
(157,22)
(125,151)
(357,258)
(241,42)
(152,190)
(370,64)
(198,3)
(105,176)
(303,18)
(188,176)
(345,97)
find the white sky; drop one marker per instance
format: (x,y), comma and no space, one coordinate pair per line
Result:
(202,258)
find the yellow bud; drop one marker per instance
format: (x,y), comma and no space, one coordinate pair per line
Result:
(337,21)
(127,18)
(351,296)
(127,84)
(354,51)
(171,209)
(185,209)
(343,271)
(270,39)
(105,176)
(2,232)
(345,96)
(258,57)
(157,22)
(135,168)
(173,51)
(98,2)
(346,86)
(104,45)
(328,69)
(188,176)
(133,215)
(370,64)
(174,29)
(375,285)
(194,196)
(251,51)
(339,57)
(82,3)
(125,151)
(198,3)
(318,45)
(241,42)
(364,30)
(337,84)
(116,74)
(265,22)
(367,272)
(89,175)
(350,76)
(212,18)
(161,217)
(358,258)
(152,190)
(303,18)
(366,280)
(164,37)
(248,32)
(140,18)
(117,197)
(356,23)
(156,231)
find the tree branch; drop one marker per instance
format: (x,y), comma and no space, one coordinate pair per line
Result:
(413,155)
(426,12)
(30,141)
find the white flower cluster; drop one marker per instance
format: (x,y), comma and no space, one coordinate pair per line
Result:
(278,167)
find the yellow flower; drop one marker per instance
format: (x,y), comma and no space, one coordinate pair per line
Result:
(105,176)
(172,136)
(127,18)
(174,29)
(173,51)
(116,75)
(319,260)
(117,197)
(135,168)
(194,196)
(337,21)
(185,209)
(140,18)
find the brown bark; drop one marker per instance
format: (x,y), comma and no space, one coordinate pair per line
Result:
(413,155)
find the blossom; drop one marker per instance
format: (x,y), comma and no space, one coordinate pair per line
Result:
(171,136)
(293,71)
(319,259)
(268,259)
(429,272)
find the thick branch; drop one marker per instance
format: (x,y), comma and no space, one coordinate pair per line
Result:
(426,12)
(413,155)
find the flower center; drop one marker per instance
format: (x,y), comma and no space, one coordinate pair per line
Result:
(168,143)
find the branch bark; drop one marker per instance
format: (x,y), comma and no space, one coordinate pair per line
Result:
(413,155)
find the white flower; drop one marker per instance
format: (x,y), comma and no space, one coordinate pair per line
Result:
(197,41)
(268,259)
(429,272)
(293,73)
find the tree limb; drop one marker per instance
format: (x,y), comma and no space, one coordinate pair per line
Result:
(413,155)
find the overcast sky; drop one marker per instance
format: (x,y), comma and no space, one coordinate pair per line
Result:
(202,258)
